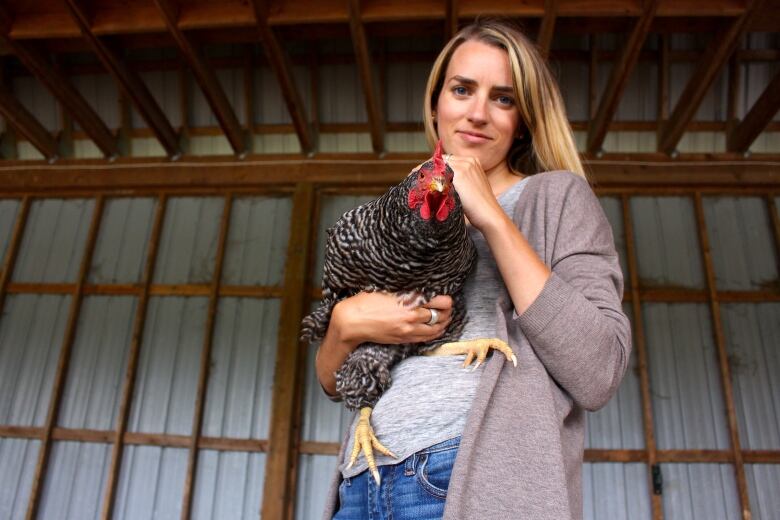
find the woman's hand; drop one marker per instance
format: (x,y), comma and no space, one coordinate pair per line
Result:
(383,318)
(476,195)
(379,318)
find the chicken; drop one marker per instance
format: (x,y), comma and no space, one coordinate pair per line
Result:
(411,241)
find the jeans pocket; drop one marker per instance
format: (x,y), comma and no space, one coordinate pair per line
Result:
(434,470)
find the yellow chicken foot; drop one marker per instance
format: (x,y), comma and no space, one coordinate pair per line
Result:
(475,347)
(365,439)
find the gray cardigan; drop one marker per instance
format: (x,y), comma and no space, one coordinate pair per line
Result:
(521,450)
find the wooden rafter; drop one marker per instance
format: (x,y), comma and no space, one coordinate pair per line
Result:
(547,28)
(765,108)
(618,80)
(73,102)
(450,19)
(26,124)
(282,69)
(715,57)
(363,57)
(129,81)
(205,77)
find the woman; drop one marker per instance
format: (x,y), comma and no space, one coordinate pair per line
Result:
(495,441)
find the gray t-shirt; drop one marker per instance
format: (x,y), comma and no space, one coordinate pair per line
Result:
(430,396)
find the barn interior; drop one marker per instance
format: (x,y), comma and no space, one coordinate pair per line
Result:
(168,169)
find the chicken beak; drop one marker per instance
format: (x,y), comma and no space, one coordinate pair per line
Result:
(436,185)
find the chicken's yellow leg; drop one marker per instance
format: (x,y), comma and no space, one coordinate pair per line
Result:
(475,347)
(364,440)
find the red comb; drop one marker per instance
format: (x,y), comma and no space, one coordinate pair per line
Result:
(438,161)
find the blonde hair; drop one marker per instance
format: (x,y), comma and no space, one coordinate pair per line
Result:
(548,143)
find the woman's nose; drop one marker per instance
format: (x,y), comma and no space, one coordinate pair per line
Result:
(477,113)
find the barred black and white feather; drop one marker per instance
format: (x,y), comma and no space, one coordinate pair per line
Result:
(384,245)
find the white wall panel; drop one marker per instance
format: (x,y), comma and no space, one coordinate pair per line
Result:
(341,95)
(763,483)
(188,244)
(38,101)
(700,492)
(17,469)
(314,476)
(93,388)
(31,333)
(228,485)
(54,239)
(615,491)
(687,397)
(167,379)
(151,483)
(9,210)
(75,481)
(120,250)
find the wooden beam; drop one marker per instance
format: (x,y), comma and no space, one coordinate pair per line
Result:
(547,28)
(287,387)
(280,64)
(205,361)
(723,359)
(129,82)
(373,104)
(618,79)
(204,75)
(66,94)
(450,19)
(716,55)
(58,385)
(25,123)
(759,117)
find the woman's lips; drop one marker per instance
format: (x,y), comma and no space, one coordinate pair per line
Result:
(473,137)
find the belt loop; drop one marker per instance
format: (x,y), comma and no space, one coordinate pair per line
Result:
(410,465)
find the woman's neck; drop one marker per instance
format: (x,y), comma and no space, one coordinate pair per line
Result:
(501,178)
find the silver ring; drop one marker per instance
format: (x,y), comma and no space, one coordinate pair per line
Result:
(434,317)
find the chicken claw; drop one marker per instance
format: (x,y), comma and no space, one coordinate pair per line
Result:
(364,439)
(472,348)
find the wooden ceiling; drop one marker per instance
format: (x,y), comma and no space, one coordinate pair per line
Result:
(37,31)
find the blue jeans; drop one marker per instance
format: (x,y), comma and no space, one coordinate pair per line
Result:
(414,489)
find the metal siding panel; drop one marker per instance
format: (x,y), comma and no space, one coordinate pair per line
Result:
(626,141)
(276,143)
(323,419)
(406,142)
(688,407)
(341,95)
(257,241)
(25,151)
(167,379)
(714,104)
(228,485)
(31,333)
(75,481)
(755,78)
(405,91)
(210,145)
(347,142)
(86,149)
(613,209)
(9,209)
(98,363)
(120,250)
(243,357)
(332,208)
(146,147)
(639,101)
(232,81)
(18,458)
(666,241)
(619,424)
(188,245)
(314,476)
(768,142)
(740,237)
(572,80)
(270,106)
(164,87)
(763,483)
(702,142)
(752,335)
(53,241)
(615,491)
(102,94)
(700,492)
(38,101)
(151,483)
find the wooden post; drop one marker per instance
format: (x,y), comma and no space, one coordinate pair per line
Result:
(282,454)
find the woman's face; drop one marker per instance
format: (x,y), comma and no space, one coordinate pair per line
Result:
(476,113)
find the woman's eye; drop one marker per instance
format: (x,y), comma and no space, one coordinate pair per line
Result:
(460,91)
(506,100)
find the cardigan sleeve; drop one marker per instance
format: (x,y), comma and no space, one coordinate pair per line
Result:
(576,325)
